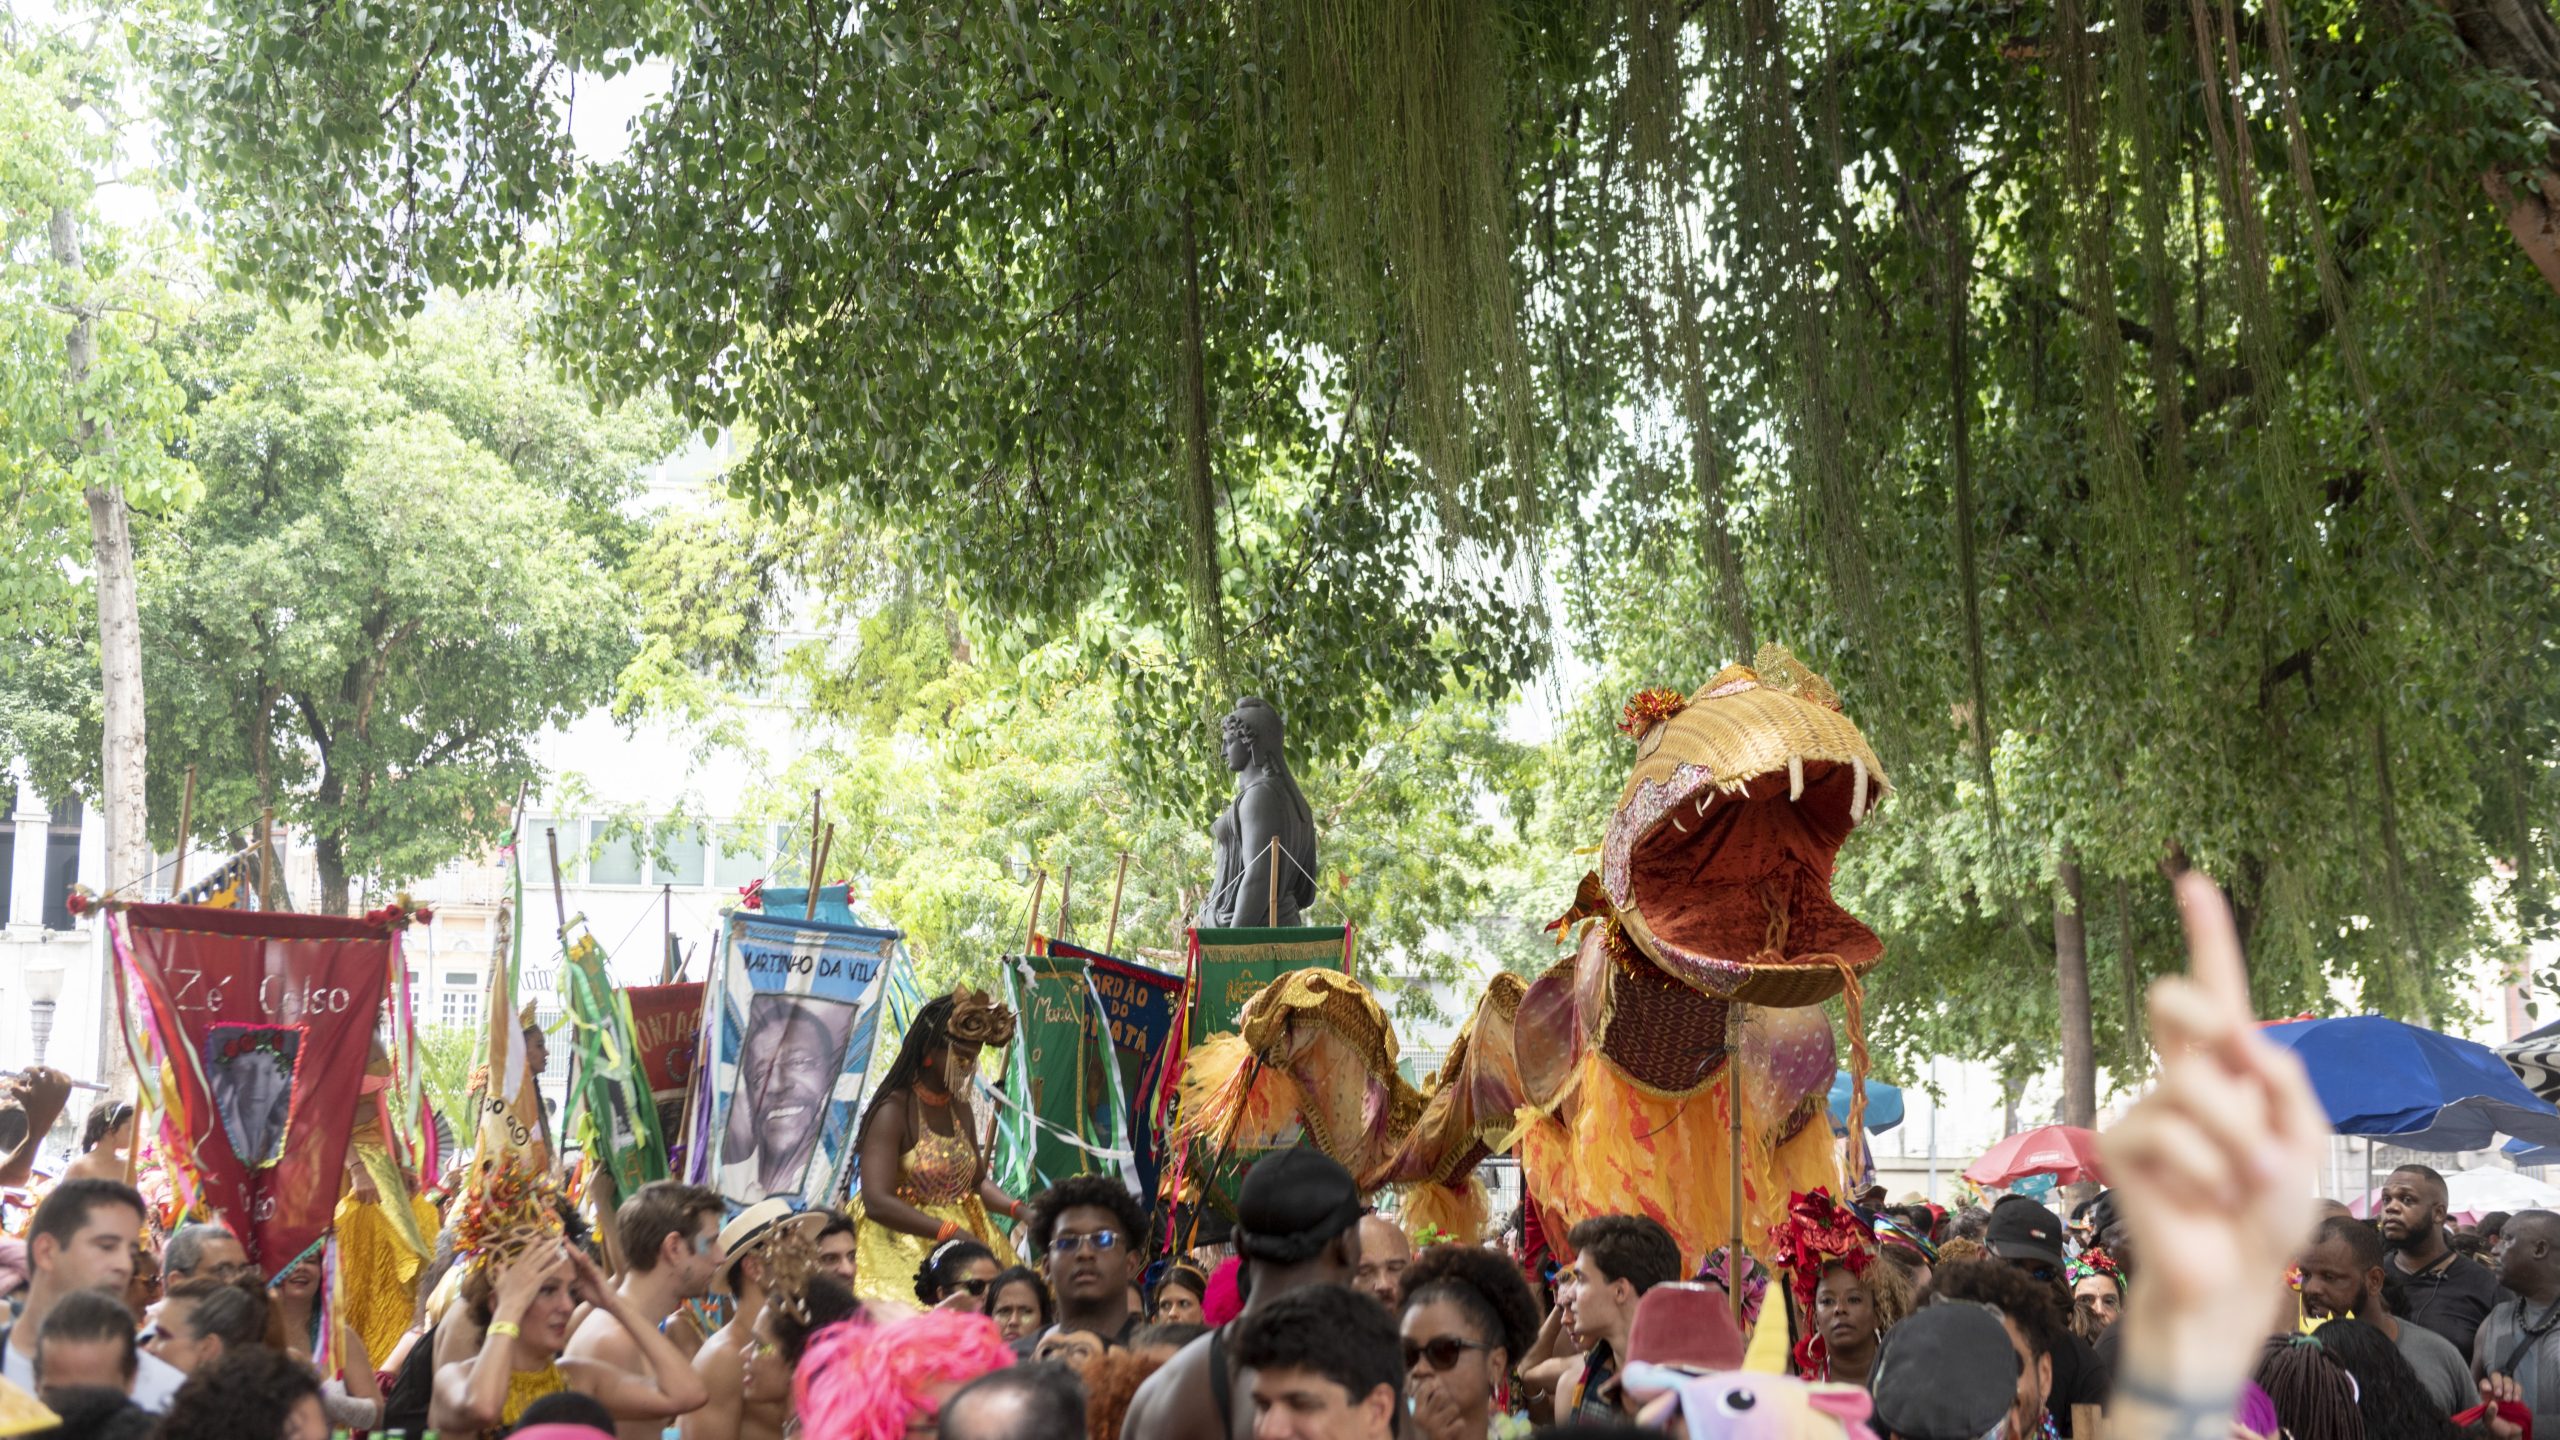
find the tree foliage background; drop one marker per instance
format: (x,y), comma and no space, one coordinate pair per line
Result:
(2142,412)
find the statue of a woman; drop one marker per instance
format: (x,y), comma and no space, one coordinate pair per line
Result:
(1268,805)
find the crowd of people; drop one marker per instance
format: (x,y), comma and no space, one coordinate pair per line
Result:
(2201,1298)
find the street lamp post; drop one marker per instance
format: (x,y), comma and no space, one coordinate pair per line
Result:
(44,994)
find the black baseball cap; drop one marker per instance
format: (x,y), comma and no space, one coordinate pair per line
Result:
(1292,1201)
(2021,1229)
(1946,1373)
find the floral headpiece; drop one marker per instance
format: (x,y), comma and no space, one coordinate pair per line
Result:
(977,1019)
(2095,1261)
(1717,1270)
(1818,1231)
(506,1211)
(1649,707)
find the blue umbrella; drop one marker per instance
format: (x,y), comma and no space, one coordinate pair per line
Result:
(2384,1080)
(1884,1105)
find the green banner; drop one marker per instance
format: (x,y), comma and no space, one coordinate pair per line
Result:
(1231,967)
(1067,1115)
(615,1112)
(1228,968)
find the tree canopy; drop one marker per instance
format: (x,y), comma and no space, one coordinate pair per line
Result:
(402,570)
(2142,413)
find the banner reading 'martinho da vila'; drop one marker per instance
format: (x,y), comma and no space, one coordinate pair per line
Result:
(793,1010)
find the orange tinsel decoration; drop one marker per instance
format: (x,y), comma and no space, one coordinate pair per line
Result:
(1650,707)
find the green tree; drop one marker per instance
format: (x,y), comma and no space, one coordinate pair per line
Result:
(86,412)
(398,576)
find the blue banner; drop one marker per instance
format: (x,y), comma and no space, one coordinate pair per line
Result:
(796,1021)
(1142,1007)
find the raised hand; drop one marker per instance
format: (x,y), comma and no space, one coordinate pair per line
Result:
(2214,1169)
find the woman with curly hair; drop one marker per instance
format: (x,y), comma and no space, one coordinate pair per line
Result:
(859,1381)
(1467,1314)
(252,1391)
(1852,1310)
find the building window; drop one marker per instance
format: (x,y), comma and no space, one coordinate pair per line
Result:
(61,863)
(746,853)
(680,852)
(461,1003)
(615,857)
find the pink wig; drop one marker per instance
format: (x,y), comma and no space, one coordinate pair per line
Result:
(1223,1303)
(859,1381)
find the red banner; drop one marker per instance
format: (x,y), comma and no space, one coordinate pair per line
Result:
(266,1018)
(666,1023)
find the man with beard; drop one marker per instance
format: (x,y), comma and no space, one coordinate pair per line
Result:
(1091,1234)
(81,1238)
(2518,1355)
(785,1079)
(2449,1293)
(1384,1254)
(670,1234)
(2342,1275)
(835,1248)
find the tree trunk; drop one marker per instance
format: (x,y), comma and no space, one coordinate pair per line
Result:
(122,806)
(2129,982)
(331,853)
(2071,976)
(2519,39)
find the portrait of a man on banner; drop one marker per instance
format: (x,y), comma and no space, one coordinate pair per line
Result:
(793,1014)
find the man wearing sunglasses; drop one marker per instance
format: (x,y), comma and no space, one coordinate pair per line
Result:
(2028,1237)
(1091,1234)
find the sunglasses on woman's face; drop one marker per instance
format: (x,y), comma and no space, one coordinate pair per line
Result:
(1442,1351)
(974,1287)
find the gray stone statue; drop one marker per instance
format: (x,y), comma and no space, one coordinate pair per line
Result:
(1268,805)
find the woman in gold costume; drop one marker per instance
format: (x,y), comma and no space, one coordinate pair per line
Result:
(923,1177)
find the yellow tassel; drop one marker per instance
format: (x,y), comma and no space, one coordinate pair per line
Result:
(1459,1213)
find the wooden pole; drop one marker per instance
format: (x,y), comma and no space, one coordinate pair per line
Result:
(1066,881)
(186,822)
(1733,1274)
(559,897)
(1272,915)
(559,907)
(1111,929)
(667,959)
(817,812)
(1039,882)
(818,874)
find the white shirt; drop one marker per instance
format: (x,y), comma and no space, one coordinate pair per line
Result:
(155,1381)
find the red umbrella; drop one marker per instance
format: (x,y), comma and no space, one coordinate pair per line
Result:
(2065,1152)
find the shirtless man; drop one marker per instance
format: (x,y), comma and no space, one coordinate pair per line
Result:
(1297,1224)
(670,1237)
(735,1411)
